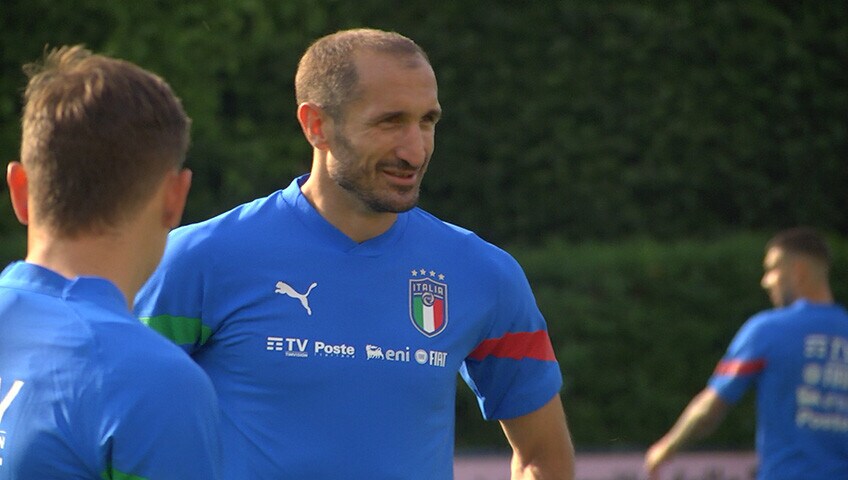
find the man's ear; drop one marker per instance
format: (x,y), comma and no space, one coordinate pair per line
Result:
(177,185)
(16,178)
(808,270)
(312,121)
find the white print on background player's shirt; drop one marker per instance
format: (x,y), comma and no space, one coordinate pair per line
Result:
(4,405)
(285,289)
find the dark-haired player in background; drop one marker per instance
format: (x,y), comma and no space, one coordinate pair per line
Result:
(796,355)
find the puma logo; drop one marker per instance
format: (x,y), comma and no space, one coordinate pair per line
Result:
(285,289)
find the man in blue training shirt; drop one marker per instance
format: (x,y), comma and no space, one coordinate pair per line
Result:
(797,357)
(334,315)
(86,390)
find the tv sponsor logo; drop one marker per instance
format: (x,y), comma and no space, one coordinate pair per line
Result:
(300,348)
(292,347)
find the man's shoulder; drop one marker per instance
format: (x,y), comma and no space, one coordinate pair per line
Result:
(794,321)
(97,342)
(435,227)
(136,355)
(23,297)
(231,225)
(766,320)
(430,225)
(44,325)
(800,309)
(55,313)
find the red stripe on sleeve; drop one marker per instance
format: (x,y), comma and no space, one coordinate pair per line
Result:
(739,367)
(518,346)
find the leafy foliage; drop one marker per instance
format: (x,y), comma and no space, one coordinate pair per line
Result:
(638,327)
(583,120)
(568,127)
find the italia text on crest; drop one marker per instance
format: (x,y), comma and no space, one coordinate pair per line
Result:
(428,301)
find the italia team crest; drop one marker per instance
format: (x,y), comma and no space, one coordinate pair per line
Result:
(428,302)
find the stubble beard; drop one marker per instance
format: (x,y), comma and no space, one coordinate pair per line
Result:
(782,297)
(355,181)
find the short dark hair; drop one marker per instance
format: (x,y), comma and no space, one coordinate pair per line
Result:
(98,135)
(804,241)
(326,74)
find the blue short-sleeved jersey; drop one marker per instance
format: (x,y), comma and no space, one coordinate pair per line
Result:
(336,359)
(797,358)
(88,392)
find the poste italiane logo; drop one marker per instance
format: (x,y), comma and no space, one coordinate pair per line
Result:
(428,301)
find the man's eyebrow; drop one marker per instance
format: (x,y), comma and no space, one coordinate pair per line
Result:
(388,116)
(434,114)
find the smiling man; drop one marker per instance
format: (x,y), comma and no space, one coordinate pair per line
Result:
(333,316)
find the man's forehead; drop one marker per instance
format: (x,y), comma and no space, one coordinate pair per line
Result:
(409,59)
(390,81)
(773,256)
(377,65)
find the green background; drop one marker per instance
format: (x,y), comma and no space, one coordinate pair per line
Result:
(634,156)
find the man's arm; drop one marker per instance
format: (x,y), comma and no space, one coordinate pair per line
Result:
(700,418)
(541,444)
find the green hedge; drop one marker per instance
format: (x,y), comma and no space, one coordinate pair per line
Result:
(577,119)
(581,120)
(638,327)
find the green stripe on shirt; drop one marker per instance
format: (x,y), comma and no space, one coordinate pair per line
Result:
(180,330)
(113,474)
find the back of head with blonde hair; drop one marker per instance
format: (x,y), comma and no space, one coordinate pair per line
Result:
(99,134)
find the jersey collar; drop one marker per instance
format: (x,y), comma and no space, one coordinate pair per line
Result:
(332,236)
(32,277)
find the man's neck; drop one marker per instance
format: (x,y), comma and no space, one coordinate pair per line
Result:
(817,291)
(821,296)
(88,255)
(356,221)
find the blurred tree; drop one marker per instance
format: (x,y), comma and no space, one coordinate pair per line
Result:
(573,119)
(564,123)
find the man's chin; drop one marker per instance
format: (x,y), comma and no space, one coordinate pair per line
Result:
(396,201)
(397,208)
(394,205)
(782,302)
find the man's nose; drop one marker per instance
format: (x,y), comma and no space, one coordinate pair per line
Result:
(414,145)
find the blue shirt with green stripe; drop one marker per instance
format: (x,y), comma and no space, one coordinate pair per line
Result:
(88,392)
(337,359)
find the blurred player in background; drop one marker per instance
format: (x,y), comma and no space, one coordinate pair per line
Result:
(86,390)
(334,315)
(796,355)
